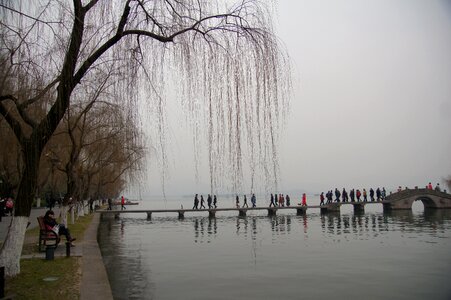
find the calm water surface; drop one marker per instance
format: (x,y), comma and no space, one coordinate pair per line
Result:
(374,255)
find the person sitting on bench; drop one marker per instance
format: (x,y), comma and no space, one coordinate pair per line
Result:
(50,223)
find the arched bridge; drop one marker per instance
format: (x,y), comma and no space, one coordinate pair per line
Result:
(405,199)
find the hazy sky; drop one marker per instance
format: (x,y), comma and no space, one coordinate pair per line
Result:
(371,103)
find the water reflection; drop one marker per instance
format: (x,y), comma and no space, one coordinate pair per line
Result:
(280,224)
(156,259)
(205,229)
(113,249)
(199,229)
(331,224)
(431,221)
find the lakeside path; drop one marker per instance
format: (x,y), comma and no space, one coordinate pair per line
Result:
(94,281)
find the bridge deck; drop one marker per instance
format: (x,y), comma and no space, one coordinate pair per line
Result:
(241,209)
(399,200)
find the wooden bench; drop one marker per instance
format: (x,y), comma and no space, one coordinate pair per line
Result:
(46,236)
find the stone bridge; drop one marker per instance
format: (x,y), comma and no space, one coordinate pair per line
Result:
(405,199)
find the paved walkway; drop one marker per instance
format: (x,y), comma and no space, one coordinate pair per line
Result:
(94,281)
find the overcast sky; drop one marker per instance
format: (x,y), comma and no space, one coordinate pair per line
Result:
(371,103)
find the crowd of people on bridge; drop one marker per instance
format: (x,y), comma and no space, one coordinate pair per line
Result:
(212,202)
(353,195)
(331,196)
(281,200)
(276,200)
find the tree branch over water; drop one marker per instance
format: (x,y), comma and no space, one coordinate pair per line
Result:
(223,65)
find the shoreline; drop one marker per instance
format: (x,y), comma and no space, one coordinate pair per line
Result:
(94,280)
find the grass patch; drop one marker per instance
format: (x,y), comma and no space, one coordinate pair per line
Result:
(30,283)
(77,230)
(46,279)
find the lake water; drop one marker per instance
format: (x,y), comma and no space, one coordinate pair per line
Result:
(374,255)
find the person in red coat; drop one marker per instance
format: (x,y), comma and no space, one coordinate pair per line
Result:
(122,203)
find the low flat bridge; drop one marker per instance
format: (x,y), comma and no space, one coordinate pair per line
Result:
(300,210)
(211,212)
(396,201)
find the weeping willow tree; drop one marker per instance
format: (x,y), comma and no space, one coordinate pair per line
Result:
(225,60)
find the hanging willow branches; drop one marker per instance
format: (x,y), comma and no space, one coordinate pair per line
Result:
(222,60)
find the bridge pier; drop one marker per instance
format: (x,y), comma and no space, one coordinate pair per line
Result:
(181,214)
(332,207)
(211,213)
(149,215)
(272,211)
(301,211)
(359,207)
(241,212)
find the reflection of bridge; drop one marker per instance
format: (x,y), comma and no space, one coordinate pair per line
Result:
(396,201)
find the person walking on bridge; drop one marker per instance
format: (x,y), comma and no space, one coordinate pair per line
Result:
(358,194)
(209,200)
(272,201)
(122,203)
(196,202)
(254,200)
(237,202)
(215,201)
(202,202)
(329,197)
(337,195)
(321,198)
(345,195)
(378,194)
(245,202)
(304,199)
(365,199)
(288,201)
(351,195)
(372,194)
(281,200)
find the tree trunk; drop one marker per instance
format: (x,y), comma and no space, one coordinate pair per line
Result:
(72,215)
(81,211)
(12,248)
(63,214)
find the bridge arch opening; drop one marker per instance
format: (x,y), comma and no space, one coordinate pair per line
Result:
(422,203)
(418,206)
